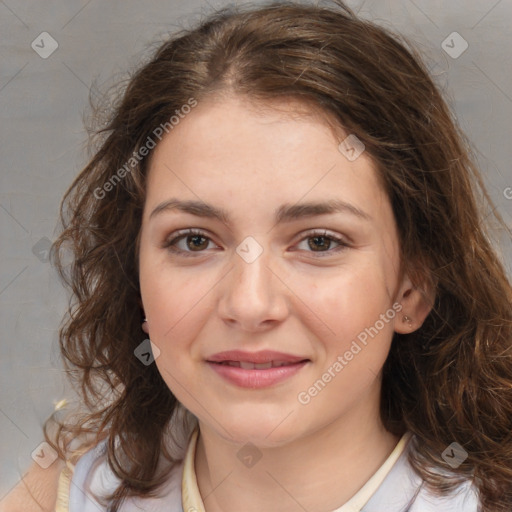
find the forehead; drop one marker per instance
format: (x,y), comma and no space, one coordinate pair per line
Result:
(237,153)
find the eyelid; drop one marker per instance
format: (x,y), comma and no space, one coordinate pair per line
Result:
(342,241)
(183,233)
(327,233)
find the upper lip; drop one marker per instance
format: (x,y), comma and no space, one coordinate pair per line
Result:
(264,356)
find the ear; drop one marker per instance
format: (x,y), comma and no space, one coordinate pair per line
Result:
(144,322)
(417,302)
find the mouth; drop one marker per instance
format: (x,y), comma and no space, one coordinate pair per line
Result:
(261,359)
(247,365)
(256,370)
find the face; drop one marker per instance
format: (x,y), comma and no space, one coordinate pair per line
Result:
(321,287)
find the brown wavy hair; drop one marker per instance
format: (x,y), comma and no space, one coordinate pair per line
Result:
(451,380)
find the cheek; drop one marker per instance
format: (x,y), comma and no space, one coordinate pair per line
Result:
(177,306)
(177,316)
(168,293)
(173,310)
(350,297)
(348,309)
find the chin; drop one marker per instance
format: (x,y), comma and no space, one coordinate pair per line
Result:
(265,433)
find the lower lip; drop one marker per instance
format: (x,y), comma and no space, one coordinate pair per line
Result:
(256,379)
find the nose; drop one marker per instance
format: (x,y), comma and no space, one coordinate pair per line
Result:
(252,296)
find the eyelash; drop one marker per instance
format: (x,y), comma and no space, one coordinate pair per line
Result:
(170,242)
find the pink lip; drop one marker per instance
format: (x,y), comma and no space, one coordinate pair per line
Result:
(255,378)
(263,356)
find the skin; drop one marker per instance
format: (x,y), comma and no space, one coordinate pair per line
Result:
(299,298)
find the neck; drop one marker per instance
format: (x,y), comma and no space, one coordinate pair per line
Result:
(318,471)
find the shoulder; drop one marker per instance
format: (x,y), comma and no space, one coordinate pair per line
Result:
(93,479)
(46,489)
(463,499)
(404,490)
(36,491)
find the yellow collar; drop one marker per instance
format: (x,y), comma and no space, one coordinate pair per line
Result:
(191,498)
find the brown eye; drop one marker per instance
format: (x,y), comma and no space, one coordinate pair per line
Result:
(194,242)
(197,242)
(321,242)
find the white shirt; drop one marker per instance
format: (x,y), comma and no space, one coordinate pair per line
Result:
(394,487)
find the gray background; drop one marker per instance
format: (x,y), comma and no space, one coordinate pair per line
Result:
(42,103)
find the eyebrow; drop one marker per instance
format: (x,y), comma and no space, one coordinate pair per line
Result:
(285,213)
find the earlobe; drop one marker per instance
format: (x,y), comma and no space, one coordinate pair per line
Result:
(144,325)
(416,305)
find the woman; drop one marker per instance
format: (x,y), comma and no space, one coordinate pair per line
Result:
(228,365)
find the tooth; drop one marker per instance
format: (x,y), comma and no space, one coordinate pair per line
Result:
(258,366)
(263,366)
